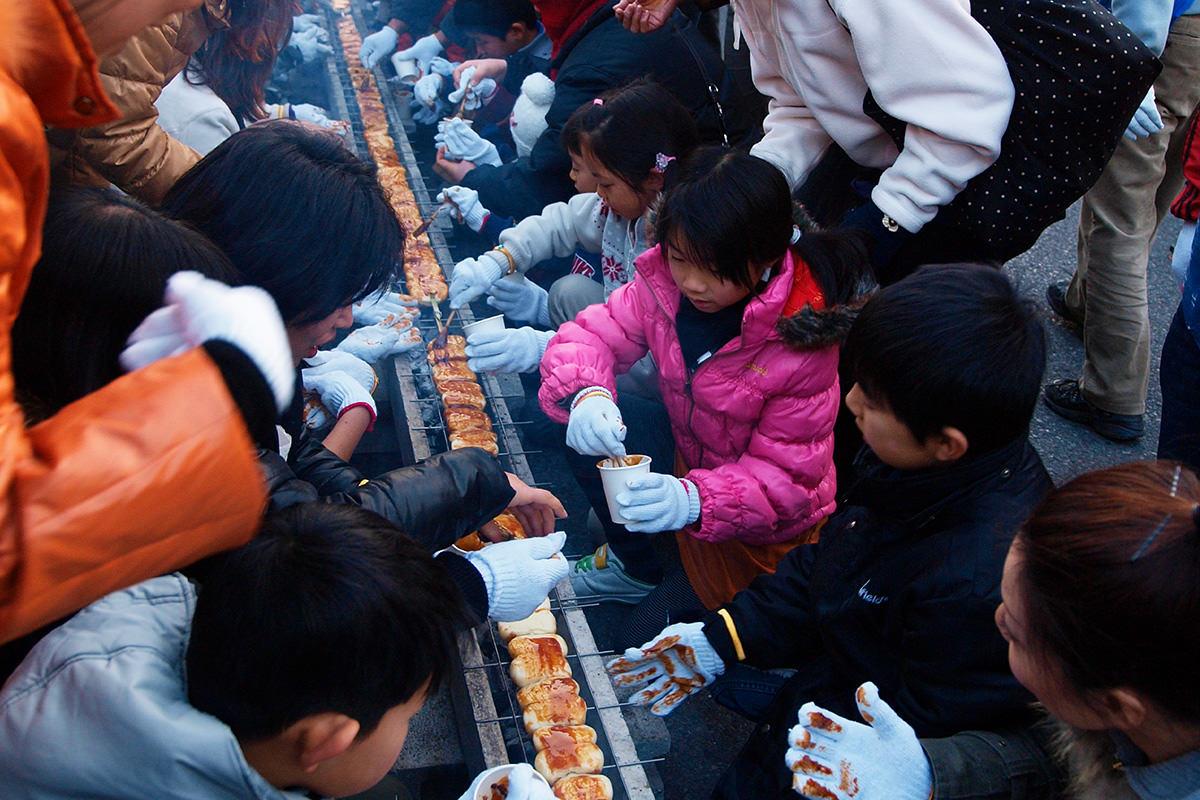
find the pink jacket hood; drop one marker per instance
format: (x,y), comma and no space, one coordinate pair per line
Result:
(754,422)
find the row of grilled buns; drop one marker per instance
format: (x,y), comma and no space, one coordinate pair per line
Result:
(467,424)
(422,272)
(552,710)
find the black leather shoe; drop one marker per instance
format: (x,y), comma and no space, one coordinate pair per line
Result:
(1056,298)
(1065,398)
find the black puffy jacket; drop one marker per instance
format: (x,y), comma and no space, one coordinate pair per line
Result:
(901,590)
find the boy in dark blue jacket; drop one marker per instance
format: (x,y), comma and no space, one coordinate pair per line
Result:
(903,584)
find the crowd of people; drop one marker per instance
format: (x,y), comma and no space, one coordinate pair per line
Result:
(768,259)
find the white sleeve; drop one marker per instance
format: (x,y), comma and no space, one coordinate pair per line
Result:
(931,65)
(557,231)
(792,139)
(205,131)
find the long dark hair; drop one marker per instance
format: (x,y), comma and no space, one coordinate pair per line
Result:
(236,61)
(1110,580)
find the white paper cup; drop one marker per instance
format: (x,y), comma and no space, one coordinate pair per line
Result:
(406,68)
(488,325)
(481,787)
(613,476)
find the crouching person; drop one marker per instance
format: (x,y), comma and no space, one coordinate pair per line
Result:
(295,670)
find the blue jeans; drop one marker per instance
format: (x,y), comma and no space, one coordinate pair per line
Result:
(747,690)
(1179,378)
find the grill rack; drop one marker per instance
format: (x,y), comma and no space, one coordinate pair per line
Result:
(485,686)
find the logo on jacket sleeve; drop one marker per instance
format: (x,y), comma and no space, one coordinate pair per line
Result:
(873,599)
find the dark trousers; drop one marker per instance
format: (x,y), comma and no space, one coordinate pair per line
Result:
(1179,377)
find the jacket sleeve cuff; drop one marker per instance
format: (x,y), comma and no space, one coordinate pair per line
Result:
(469,581)
(717,633)
(249,390)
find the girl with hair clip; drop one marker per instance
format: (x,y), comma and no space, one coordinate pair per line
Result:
(627,138)
(752,417)
(1101,603)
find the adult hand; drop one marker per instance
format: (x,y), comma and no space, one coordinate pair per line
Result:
(494,68)
(340,392)
(655,502)
(378,45)
(676,664)
(595,427)
(327,361)
(834,757)
(451,170)
(520,299)
(520,573)
(473,276)
(383,304)
(507,350)
(464,204)
(197,309)
(644,16)
(1146,120)
(462,142)
(423,50)
(535,509)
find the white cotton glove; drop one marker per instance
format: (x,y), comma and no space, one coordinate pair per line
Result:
(520,299)
(524,783)
(303,22)
(340,392)
(428,89)
(310,113)
(595,427)
(465,144)
(508,350)
(327,361)
(472,97)
(473,276)
(520,573)
(378,306)
(1146,120)
(197,309)
(374,342)
(464,204)
(423,115)
(678,663)
(379,45)
(834,757)
(312,44)
(424,50)
(655,502)
(1181,256)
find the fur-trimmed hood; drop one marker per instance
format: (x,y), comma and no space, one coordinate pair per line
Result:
(810,329)
(1104,766)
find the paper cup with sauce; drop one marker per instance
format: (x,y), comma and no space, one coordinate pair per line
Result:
(481,787)
(613,474)
(488,325)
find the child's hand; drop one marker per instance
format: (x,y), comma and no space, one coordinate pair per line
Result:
(518,574)
(451,171)
(678,663)
(373,342)
(536,509)
(462,142)
(465,205)
(655,502)
(472,94)
(326,361)
(340,392)
(520,299)
(423,50)
(834,757)
(595,427)
(508,350)
(383,304)
(473,276)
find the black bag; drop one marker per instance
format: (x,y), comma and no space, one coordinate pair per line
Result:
(1079,75)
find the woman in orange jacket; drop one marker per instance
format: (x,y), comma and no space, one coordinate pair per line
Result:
(157,469)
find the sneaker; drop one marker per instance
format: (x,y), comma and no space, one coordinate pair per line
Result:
(1065,398)
(1056,298)
(601,576)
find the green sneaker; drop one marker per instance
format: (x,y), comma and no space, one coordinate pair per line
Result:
(601,576)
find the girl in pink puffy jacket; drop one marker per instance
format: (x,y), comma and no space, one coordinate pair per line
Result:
(751,413)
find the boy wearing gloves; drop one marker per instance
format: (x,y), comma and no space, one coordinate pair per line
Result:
(903,583)
(295,670)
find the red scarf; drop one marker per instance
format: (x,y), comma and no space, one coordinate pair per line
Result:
(562,18)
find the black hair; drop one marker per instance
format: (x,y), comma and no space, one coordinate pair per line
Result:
(572,131)
(494,17)
(330,608)
(631,126)
(951,345)
(104,267)
(297,213)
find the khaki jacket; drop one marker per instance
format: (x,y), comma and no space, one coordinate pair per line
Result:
(152,472)
(133,152)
